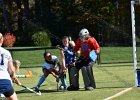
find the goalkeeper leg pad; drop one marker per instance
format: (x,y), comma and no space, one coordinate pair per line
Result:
(91,76)
(74,77)
(69,70)
(85,76)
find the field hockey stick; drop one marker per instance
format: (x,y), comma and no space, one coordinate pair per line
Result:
(38,93)
(58,46)
(21,76)
(57,86)
(28,75)
(57,80)
(92,54)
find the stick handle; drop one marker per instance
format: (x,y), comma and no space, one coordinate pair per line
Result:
(23,86)
(21,76)
(60,48)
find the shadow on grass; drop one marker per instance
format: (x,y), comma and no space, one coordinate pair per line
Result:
(48,91)
(42,91)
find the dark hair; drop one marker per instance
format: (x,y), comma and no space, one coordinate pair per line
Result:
(64,37)
(46,52)
(69,37)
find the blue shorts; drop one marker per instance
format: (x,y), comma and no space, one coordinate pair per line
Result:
(6,87)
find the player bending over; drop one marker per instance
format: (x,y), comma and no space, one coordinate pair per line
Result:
(51,66)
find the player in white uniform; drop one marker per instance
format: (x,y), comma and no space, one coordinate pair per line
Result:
(7,72)
(51,66)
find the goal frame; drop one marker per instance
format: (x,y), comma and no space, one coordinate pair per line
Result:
(133,3)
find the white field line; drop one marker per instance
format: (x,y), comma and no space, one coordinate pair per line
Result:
(118,94)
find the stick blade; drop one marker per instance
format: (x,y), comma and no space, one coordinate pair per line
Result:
(38,93)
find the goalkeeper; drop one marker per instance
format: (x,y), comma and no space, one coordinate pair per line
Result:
(51,66)
(89,50)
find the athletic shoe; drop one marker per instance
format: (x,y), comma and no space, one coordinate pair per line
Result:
(72,88)
(89,88)
(37,89)
(93,85)
(2,95)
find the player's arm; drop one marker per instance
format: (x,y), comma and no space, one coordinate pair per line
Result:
(96,46)
(77,45)
(63,59)
(72,44)
(77,48)
(51,71)
(70,52)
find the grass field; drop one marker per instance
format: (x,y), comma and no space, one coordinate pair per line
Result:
(108,55)
(110,78)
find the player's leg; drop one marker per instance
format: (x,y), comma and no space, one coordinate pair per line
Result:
(63,82)
(88,77)
(91,76)
(74,77)
(62,77)
(42,79)
(12,97)
(69,70)
(8,90)
(85,76)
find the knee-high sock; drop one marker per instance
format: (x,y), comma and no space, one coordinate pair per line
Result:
(42,79)
(63,81)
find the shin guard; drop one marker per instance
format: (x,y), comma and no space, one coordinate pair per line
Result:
(91,76)
(74,77)
(85,76)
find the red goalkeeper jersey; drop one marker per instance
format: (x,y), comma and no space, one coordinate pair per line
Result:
(87,46)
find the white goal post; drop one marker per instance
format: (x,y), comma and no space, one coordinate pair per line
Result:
(137,80)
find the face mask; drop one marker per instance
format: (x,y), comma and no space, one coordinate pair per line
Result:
(83,38)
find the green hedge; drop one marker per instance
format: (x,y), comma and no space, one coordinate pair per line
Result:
(41,39)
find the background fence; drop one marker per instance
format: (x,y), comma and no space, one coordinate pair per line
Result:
(33,56)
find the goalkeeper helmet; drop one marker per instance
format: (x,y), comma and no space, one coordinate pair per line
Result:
(83,34)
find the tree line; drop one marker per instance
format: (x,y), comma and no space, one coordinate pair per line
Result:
(109,21)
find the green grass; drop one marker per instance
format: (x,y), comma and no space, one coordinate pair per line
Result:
(108,55)
(110,78)
(33,58)
(116,54)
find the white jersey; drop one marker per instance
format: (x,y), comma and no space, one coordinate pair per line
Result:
(5,56)
(48,65)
